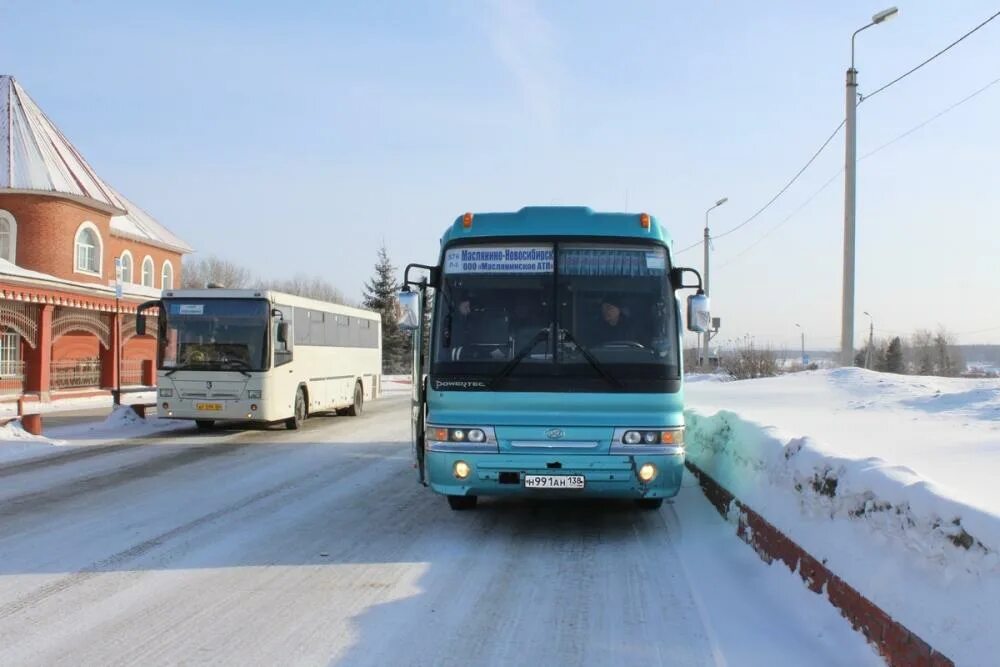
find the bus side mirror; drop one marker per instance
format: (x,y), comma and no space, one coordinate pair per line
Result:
(409,311)
(284,332)
(140,324)
(699,319)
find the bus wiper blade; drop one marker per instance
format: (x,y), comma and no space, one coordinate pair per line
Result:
(186,367)
(242,363)
(612,380)
(543,334)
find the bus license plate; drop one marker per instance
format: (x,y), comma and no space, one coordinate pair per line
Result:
(554,481)
(211,407)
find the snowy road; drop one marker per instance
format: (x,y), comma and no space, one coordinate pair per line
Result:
(318,547)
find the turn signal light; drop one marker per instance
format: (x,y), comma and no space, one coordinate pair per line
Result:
(467,220)
(644,220)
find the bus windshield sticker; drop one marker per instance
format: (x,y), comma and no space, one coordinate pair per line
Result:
(656,260)
(499,259)
(190,309)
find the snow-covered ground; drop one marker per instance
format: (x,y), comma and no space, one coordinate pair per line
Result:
(121,424)
(318,546)
(889,479)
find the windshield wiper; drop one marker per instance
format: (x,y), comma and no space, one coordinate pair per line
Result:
(543,334)
(245,365)
(612,380)
(186,367)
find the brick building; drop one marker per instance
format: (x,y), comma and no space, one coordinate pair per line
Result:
(64,340)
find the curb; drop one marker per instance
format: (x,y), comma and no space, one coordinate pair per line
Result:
(894,642)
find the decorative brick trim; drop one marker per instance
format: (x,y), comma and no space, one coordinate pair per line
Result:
(894,642)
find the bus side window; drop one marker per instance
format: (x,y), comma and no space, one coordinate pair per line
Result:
(282,349)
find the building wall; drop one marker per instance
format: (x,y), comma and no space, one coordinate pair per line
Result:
(46,240)
(75,345)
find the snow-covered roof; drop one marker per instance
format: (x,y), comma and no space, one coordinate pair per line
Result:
(9,270)
(36,157)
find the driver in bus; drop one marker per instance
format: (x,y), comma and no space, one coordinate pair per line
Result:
(613,325)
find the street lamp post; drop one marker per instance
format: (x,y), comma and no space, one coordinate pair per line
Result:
(803,332)
(850,196)
(706,337)
(870,350)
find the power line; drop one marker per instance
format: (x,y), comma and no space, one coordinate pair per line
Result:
(779,193)
(842,123)
(935,56)
(827,184)
(932,118)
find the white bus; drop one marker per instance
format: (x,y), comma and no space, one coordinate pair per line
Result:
(262,356)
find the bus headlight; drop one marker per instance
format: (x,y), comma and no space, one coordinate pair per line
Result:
(253,393)
(672,436)
(647,472)
(474,439)
(462,469)
(166,393)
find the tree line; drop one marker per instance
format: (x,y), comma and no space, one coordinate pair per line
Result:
(923,353)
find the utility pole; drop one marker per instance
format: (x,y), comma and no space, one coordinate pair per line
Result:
(803,333)
(707,336)
(850,197)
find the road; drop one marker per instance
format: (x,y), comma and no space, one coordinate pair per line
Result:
(318,547)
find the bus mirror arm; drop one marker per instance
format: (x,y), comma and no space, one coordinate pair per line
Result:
(433,273)
(140,316)
(677,279)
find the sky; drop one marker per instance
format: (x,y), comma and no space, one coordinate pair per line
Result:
(297,137)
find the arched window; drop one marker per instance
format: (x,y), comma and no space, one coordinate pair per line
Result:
(128,268)
(8,236)
(147,271)
(167,276)
(88,249)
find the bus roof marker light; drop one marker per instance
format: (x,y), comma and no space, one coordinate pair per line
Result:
(467,220)
(644,220)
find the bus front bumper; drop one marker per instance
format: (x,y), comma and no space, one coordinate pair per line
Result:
(208,409)
(605,475)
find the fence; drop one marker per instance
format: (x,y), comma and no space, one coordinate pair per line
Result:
(11,377)
(131,370)
(76,373)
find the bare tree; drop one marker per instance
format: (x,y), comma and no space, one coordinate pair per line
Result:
(935,353)
(922,352)
(199,273)
(312,287)
(748,361)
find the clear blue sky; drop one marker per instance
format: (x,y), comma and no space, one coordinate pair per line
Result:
(293,137)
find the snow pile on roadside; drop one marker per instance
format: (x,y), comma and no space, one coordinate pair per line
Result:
(928,558)
(123,422)
(16,443)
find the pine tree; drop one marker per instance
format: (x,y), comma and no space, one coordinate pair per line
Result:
(894,357)
(380,295)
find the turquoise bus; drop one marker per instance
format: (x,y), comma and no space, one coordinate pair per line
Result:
(553,362)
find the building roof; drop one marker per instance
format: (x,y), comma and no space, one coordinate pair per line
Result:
(36,157)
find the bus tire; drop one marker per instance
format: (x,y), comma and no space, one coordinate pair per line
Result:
(204,424)
(294,422)
(650,503)
(359,401)
(459,503)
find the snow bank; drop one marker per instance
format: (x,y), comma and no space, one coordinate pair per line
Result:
(123,422)
(17,444)
(928,558)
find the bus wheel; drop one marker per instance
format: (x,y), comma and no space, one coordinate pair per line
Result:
(459,503)
(204,424)
(295,421)
(359,401)
(650,503)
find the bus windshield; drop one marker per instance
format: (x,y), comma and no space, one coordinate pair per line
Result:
(214,334)
(604,312)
